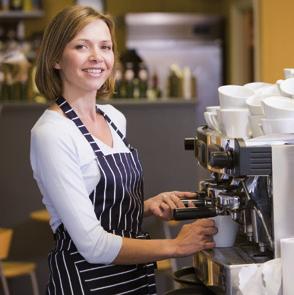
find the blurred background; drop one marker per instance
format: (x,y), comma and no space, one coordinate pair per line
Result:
(173,55)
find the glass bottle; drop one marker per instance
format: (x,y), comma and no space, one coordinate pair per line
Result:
(15,4)
(143,80)
(129,80)
(118,88)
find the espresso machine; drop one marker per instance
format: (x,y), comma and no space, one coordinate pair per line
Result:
(251,180)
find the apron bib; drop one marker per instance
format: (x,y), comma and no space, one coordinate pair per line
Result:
(118,202)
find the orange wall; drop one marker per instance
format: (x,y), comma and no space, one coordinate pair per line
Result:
(276,38)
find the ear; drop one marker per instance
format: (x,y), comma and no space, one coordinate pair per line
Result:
(57,66)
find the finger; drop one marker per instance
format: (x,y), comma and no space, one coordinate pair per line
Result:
(209,245)
(208,239)
(167,200)
(182,195)
(191,204)
(166,211)
(177,201)
(156,211)
(209,231)
(207,222)
(164,206)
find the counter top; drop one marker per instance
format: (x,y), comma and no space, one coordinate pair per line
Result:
(163,101)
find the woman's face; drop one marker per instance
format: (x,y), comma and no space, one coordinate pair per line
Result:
(87,60)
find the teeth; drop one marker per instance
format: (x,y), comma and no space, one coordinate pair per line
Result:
(94,71)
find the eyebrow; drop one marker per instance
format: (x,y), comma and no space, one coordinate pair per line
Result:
(87,40)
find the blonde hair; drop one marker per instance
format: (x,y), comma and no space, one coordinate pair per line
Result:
(61,30)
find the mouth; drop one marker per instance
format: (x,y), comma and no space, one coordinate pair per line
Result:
(94,71)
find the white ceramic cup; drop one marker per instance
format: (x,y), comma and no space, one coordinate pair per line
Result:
(277,107)
(288,73)
(266,91)
(235,122)
(256,85)
(286,87)
(227,231)
(270,126)
(234,96)
(212,108)
(211,120)
(254,105)
(255,123)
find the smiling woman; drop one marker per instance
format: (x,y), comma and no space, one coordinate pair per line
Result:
(90,177)
(63,30)
(87,60)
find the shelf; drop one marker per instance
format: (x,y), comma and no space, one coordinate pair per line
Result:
(117,101)
(145,101)
(21,14)
(22,106)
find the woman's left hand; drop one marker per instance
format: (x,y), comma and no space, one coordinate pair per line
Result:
(162,205)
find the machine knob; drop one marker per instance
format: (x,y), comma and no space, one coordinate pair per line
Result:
(221,159)
(189,144)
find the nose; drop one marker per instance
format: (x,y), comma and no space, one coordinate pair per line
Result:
(96,56)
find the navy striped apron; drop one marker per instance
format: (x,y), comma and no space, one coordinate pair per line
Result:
(118,204)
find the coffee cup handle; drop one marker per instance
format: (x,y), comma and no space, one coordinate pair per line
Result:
(279,82)
(261,128)
(215,123)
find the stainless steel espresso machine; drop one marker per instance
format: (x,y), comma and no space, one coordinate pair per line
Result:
(252,181)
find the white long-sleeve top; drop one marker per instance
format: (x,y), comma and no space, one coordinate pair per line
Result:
(66,170)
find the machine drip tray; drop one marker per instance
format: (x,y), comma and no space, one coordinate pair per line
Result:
(219,268)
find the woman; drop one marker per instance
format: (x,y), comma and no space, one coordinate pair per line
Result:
(89,176)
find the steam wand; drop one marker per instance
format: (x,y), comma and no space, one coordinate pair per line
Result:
(259,213)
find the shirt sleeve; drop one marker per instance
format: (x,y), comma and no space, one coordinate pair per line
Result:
(56,169)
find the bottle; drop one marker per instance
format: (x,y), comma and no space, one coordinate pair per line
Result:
(36,4)
(155,85)
(27,5)
(1,84)
(118,88)
(194,87)
(187,83)
(154,91)
(16,4)
(174,82)
(129,80)
(136,92)
(143,80)
(6,91)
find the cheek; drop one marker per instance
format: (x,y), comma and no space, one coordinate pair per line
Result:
(110,61)
(68,62)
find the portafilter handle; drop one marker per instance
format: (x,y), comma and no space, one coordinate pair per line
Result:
(193,213)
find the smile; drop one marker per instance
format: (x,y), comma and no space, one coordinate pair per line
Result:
(93,71)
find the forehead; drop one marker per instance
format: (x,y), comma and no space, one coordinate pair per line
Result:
(96,29)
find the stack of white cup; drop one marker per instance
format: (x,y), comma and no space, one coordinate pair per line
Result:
(231,117)
(272,107)
(278,115)
(254,103)
(254,109)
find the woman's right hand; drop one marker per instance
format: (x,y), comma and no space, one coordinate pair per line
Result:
(194,237)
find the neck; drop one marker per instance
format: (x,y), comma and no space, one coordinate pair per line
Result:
(84,106)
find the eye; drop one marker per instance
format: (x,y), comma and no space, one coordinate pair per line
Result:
(80,46)
(106,47)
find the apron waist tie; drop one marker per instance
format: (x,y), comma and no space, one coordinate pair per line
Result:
(62,234)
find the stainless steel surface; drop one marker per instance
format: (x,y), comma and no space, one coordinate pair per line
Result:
(219,268)
(260,215)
